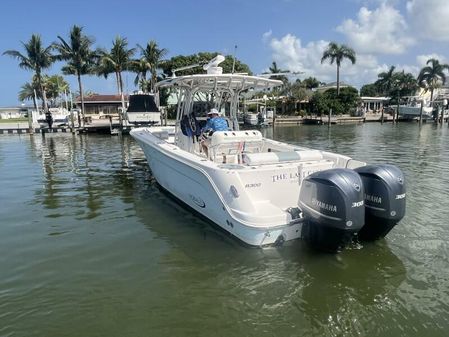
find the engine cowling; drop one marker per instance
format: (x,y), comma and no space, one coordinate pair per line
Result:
(385,201)
(333,208)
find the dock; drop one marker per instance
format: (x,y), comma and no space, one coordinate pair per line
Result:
(324,119)
(106,126)
(15,128)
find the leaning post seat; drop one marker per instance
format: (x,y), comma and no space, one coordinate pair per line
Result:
(226,137)
(235,142)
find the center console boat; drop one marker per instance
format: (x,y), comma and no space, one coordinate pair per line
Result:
(262,191)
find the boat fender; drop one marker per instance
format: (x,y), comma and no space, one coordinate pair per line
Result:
(385,200)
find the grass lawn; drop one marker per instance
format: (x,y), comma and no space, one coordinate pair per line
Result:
(14,120)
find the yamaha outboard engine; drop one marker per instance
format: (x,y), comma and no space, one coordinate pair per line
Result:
(333,208)
(384,199)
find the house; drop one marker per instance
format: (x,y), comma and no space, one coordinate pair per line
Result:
(373,104)
(332,85)
(101,104)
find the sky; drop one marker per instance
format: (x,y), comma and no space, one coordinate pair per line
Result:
(293,33)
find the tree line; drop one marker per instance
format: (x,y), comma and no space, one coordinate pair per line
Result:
(81,59)
(393,84)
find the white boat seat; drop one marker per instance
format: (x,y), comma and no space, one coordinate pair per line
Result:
(278,157)
(226,137)
(234,143)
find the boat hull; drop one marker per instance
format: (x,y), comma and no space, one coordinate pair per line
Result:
(251,119)
(153,118)
(415,111)
(193,185)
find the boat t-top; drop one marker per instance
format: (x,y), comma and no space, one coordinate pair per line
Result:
(262,191)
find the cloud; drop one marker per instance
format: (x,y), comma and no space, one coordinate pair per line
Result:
(267,35)
(289,53)
(379,31)
(429,18)
(383,30)
(421,60)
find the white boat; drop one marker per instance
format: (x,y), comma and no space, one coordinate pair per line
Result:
(412,109)
(60,116)
(262,191)
(142,110)
(251,119)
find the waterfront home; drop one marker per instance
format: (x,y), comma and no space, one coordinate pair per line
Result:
(373,104)
(101,105)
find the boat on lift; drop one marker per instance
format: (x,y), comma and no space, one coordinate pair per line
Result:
(251,118)
(60,117)
(262,191)
(412,108)
(143,110)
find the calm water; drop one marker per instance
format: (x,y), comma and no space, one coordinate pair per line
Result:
(90,247)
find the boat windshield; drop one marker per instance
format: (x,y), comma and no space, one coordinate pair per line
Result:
(142,102)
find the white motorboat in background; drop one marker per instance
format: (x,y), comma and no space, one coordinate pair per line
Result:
(251,119)
(60,116)
(262,191)
(142,110)
(412,109)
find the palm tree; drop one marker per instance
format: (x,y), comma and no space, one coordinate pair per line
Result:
(28,92)
(310,83)
(152,57)
(385,80)
(36,58)
(80,58)
(402,84)
(275,70)
(409,84)
(336,53)
(432,76)
(140,68)
(116,61)
(55,86)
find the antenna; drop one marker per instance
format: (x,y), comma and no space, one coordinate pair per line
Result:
(212,67)
(184,68)
(233,61)
(286,73)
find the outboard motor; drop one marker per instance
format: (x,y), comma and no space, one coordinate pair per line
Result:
(384,187)
(332,205)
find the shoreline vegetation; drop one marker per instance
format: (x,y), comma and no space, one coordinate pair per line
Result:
(148,62)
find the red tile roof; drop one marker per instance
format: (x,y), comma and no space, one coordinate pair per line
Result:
(101,99)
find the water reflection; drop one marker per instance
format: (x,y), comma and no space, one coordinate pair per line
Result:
(342,290)
(78,175)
